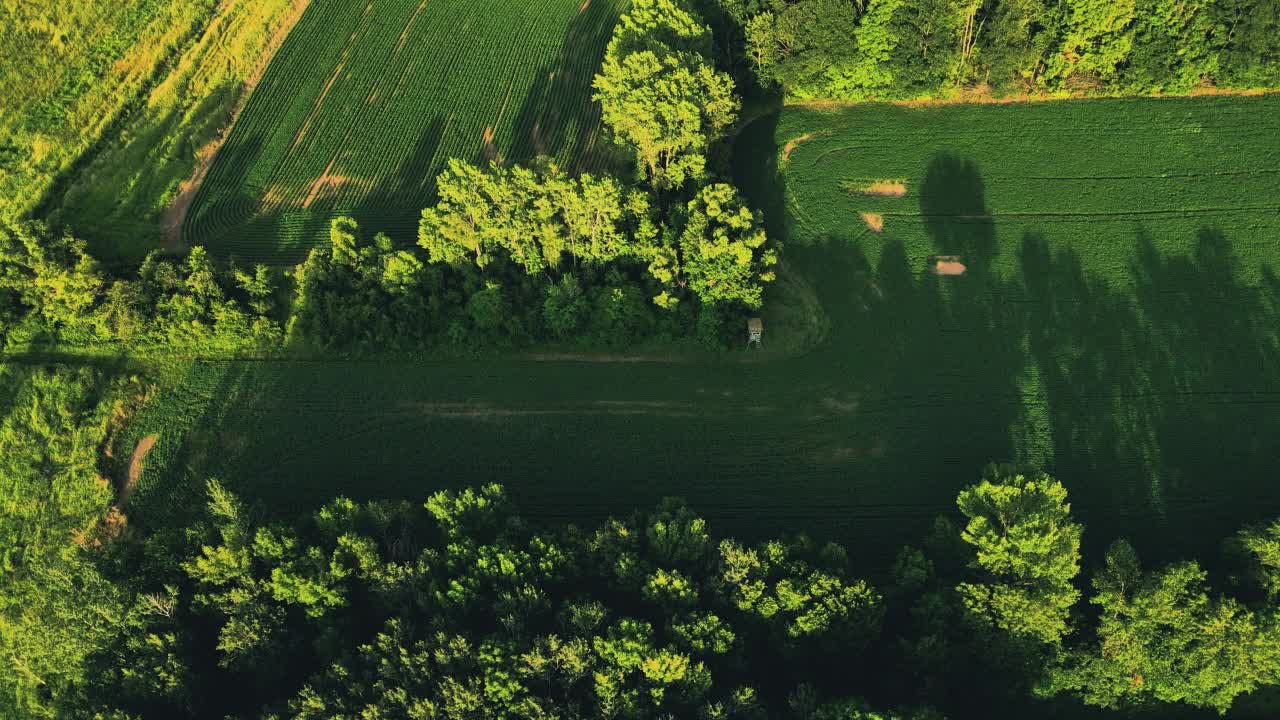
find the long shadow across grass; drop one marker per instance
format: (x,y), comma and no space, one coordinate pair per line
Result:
(1156,402)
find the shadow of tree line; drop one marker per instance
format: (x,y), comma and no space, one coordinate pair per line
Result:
(1158,404)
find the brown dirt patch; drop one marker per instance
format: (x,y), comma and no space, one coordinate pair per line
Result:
(883,188)
(137,463)
(794,143)
(489,151)
(874,221)
(175,215)
(327,183)
(585,4)
(979,96)
(947,265)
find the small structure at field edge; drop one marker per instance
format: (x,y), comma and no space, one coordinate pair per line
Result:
(946,265)
(755,332)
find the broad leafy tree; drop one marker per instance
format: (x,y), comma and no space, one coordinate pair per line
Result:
(661,96)
(1162,637)
(1027,554)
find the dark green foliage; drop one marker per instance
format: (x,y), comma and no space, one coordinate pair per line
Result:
(464,610)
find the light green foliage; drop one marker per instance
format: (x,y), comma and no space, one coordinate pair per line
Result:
(1099,37)
(726,256)
(1162,637)
(48,274)
(1263,544)
(922,49)
(1028,552)
(536,217)
(360,111)
(807,603)
(660,95)
(876,38)
(55,608)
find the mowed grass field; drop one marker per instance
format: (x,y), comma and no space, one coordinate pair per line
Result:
(368,99)
(1118,323)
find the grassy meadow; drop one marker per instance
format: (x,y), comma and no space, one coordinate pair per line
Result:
(83,66)
(129,197)
(1100,329)
(366,100)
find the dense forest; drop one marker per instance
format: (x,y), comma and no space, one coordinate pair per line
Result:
(453,606)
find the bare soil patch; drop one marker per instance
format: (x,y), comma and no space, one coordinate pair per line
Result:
(874,221)
(947,265)
(489,151)
(175,215)
(136,466)
(883,188)
(794,143)
(327,183)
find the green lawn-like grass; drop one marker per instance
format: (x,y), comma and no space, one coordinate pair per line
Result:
(368,99)
(1126,340)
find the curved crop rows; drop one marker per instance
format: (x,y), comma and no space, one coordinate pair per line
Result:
(368,99)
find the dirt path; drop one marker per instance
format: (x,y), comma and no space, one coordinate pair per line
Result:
(137,463)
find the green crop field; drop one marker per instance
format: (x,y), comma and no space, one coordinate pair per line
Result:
(1122,329)
(367,99)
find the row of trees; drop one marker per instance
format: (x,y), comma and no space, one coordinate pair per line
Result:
(52,289)
(894,49)
(460,609)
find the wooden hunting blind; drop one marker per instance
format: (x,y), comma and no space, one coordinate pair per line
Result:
(755,332)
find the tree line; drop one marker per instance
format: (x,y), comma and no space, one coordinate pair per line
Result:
(905,49)
(458,608)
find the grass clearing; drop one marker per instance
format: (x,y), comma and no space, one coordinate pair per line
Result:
(131,197)
(367,99)
(82,66)
(1119,330)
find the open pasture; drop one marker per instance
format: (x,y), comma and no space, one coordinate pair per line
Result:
(367,100)
(70,71)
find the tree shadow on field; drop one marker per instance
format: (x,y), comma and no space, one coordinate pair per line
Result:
(223,202)
(1164,397)
(922,370)
(559,118)
(396,203)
